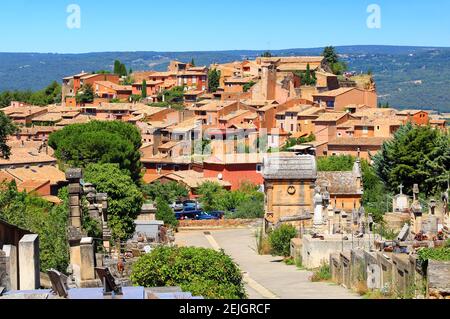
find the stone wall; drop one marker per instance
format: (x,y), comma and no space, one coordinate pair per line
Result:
(223,223)
(395,275)
(315,252)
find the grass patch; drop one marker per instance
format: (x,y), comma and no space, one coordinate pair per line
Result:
(322,274)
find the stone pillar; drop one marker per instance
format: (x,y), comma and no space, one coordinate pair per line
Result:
(11,266)
(29,262)
(74,176)
(87,271)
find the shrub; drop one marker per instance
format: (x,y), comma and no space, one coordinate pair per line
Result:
(437,254)
(323,273)
(280,240)
(165,213)
(249,209)
(204,272)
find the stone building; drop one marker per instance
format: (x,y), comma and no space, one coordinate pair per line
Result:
(289,182)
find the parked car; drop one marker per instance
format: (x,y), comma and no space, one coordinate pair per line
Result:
(206,216)
(194,215)
(219,214)
(187,215)
(191,204)
(177,206)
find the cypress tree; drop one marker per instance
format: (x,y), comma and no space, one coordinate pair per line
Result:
(144,89)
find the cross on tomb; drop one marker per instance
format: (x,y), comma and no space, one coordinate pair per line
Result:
(401,189)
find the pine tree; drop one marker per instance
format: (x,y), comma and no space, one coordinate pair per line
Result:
(193,62)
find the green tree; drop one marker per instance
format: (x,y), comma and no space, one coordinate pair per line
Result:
(49,95)
(7,128)
(38,216)
(168,192)
(204,272)
(210,194)
(291,142)
(99,142)
(174,95)
(124,197)
(213,79)
(85,94)
(331,57)
(193,62)
(144,89)
(116,69)
(416,155)
(267,54)
(120,68)
(248,86)
(165,213)
(335,163)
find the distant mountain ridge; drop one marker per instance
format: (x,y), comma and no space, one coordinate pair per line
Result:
(406,76)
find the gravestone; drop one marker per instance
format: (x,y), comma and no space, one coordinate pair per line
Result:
(404,233)
(11,266)
(29,271)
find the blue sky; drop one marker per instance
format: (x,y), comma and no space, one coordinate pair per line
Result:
(200,25)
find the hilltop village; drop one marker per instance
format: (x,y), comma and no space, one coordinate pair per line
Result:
(278,124)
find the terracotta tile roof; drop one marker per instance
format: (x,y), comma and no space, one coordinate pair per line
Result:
(44,173)
(22,111)
(233,115)
(194,179)
(27,156)
(334,93)
(30,186)
(184,126)
(195,92)
(169,145)
(359,141)
(408,112)
(48,117)
(330,117)
(114,86)
(81,119)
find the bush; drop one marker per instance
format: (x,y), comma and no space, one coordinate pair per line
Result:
(204,272)
(165,213)
(323,273)
(280,240)
(250,209)
(437,254)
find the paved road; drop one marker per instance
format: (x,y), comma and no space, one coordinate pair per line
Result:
(266,276)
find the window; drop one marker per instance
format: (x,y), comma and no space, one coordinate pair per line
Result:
(292,127)
(330,104)
(259,168)
(378,128)
(365,130)
(282,126)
